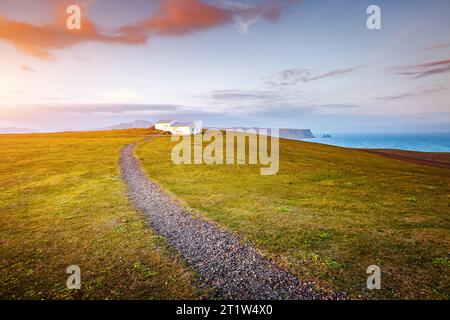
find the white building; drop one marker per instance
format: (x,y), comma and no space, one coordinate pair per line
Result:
(186,128)
(164,125)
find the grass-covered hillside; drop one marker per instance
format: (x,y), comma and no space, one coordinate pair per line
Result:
(328,214)
(62,202)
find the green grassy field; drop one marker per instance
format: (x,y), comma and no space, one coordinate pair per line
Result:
(329,214)
(62,202)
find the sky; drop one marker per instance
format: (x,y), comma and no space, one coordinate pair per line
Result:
(282,64)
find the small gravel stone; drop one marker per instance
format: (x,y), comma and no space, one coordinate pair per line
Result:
(233,270)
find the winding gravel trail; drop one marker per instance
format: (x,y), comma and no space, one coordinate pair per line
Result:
(233,270)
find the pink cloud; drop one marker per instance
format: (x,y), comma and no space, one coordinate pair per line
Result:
(173,18)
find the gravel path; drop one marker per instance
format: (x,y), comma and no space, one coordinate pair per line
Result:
(233,270)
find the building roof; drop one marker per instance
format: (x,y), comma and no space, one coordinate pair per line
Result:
(183,124)
(165,121)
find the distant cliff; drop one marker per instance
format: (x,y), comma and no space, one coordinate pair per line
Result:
(296,134)
(293,134)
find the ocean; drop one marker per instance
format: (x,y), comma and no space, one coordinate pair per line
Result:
(429,142)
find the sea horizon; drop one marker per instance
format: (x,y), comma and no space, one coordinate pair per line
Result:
(411,141)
